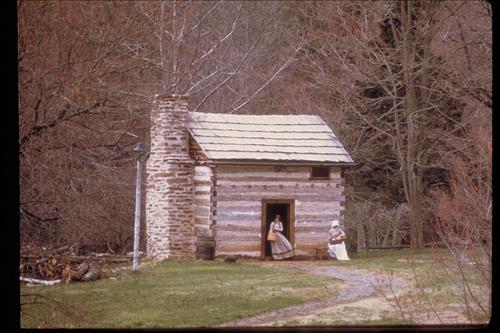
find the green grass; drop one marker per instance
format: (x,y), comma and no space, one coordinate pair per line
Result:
(172,294)
(432,288)
(205,293)
(405,262)
(430,280)
(348,316)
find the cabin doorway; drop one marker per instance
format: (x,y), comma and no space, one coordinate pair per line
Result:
(271,208)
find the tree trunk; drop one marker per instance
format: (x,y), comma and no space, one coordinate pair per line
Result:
(416,216)
(395,233)
(361,241)
(372,235)
(412,172)
(387,235)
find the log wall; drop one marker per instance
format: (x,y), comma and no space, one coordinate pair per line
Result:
(195,151)
(203,199)
(239,192)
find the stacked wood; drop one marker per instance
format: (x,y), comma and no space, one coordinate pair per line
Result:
(84,272)
(202,201)
(241,190)
(63,263)
(44,262)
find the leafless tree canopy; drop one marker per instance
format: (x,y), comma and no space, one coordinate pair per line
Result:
(404,84)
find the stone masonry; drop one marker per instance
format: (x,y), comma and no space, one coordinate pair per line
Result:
(169,184)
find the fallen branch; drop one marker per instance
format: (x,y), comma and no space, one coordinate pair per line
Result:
(37,281)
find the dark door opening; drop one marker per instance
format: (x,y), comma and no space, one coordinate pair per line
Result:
(270,210)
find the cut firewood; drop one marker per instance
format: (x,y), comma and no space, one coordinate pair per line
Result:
(93,273)
(64,263)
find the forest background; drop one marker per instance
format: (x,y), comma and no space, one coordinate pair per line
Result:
(407,86)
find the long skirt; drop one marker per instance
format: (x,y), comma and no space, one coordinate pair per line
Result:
(281,248)
(338,251)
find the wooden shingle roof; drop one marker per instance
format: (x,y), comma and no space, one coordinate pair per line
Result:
(297,138)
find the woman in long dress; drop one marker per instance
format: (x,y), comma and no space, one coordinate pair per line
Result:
(281,248)
(337,250)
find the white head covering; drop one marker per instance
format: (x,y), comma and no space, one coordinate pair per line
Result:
(335,223)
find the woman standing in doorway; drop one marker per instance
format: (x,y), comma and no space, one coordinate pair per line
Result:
(281,247)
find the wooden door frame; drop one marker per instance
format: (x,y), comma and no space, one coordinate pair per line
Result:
(291,222)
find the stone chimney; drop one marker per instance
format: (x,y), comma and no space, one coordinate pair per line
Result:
(169,183)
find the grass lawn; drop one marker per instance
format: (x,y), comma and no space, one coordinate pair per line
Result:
(170,294)
(432,296)
(205,293)
(421,267)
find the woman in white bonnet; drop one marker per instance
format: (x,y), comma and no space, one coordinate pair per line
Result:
(337,250)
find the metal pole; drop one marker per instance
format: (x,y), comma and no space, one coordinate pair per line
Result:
(137,223)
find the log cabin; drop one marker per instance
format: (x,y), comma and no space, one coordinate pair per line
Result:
(214,182)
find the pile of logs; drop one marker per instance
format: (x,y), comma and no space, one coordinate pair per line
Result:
(63,263)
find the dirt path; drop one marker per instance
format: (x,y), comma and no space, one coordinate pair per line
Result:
(357,286)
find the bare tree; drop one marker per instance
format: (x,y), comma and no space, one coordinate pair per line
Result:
(387,76)
(87,74)
(464,220)
(400,106)
(74,127)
